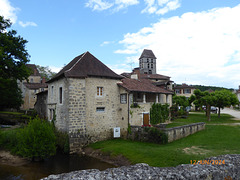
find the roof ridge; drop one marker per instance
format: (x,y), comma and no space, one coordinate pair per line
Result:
(76,62)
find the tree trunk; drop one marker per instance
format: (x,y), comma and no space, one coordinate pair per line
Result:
(219,112)
(208,109)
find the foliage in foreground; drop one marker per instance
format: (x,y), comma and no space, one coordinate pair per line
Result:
(36,140)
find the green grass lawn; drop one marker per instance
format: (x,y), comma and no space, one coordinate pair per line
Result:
(200,117)
(214,140)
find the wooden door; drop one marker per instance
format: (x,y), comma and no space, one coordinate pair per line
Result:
(145,119)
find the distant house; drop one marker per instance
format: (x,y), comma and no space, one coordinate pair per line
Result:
(184,90)
(88,100)
(29,89)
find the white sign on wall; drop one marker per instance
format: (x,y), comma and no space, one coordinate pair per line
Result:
(116,132)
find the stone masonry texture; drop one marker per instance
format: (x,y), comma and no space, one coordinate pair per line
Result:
(229,171)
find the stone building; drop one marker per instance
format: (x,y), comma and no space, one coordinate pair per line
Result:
(185,90)
(29,89)
(88,100)
(147,62)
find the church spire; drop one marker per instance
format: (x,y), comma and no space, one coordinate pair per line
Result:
(147,62)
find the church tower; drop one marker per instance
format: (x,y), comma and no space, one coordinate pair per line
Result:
(147,62)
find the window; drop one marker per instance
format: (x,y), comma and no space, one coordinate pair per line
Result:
(187,91)
(177,91)
(52,91)
(151,60)
(148,66)
(152,66)
(31,80)
(99,91)
(123,98)
(100,109)
(60,95)
(52,114)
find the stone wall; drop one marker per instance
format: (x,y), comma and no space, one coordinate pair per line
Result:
(138,133)
(228,171)
(183,131)
(41,104)
(136,114)
(60,109)
(100,124)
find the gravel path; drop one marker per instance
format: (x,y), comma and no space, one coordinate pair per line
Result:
(232,112)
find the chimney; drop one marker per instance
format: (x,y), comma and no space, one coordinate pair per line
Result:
(43,80)
(134,76)
(35,72)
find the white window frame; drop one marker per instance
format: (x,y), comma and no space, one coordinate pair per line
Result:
(99,91)
(123,98)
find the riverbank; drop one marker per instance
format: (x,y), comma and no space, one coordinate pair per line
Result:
(7,158)
(118,160)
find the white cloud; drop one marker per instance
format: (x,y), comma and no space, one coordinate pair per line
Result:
(55,69)
(98,5)
(8,11)
(27,24)
(161,6)
(153,6)
(106,43)
(198,47)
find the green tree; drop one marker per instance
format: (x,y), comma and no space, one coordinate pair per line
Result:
(180,101)
(13,59)
(11,95)
(37,140)
(205,98)
(224,98)
(45,72)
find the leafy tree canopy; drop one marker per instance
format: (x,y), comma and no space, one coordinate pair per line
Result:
(45,72)
(180,101)
(13,55)
(13,59)
(224,98)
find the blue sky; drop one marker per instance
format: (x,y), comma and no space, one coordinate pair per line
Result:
(195,41)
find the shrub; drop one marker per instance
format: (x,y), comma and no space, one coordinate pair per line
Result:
(157,136)
(159,113)
(37,140)
(62,141)
(8,139)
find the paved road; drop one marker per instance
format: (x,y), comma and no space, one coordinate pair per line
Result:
(232,112)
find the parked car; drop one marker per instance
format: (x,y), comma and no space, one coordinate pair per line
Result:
(213,109)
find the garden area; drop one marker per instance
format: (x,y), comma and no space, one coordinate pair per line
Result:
(215,140)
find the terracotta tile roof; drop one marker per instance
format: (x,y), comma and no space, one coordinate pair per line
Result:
(35,85)
(184,86)
(147,54)
(154,76)
(148,76)
(142,85)
(86,65)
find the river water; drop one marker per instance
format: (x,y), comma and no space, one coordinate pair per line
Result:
(55,165)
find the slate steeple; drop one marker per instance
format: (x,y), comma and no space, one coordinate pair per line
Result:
(147,62)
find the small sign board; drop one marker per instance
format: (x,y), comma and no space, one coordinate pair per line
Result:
(116,132)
